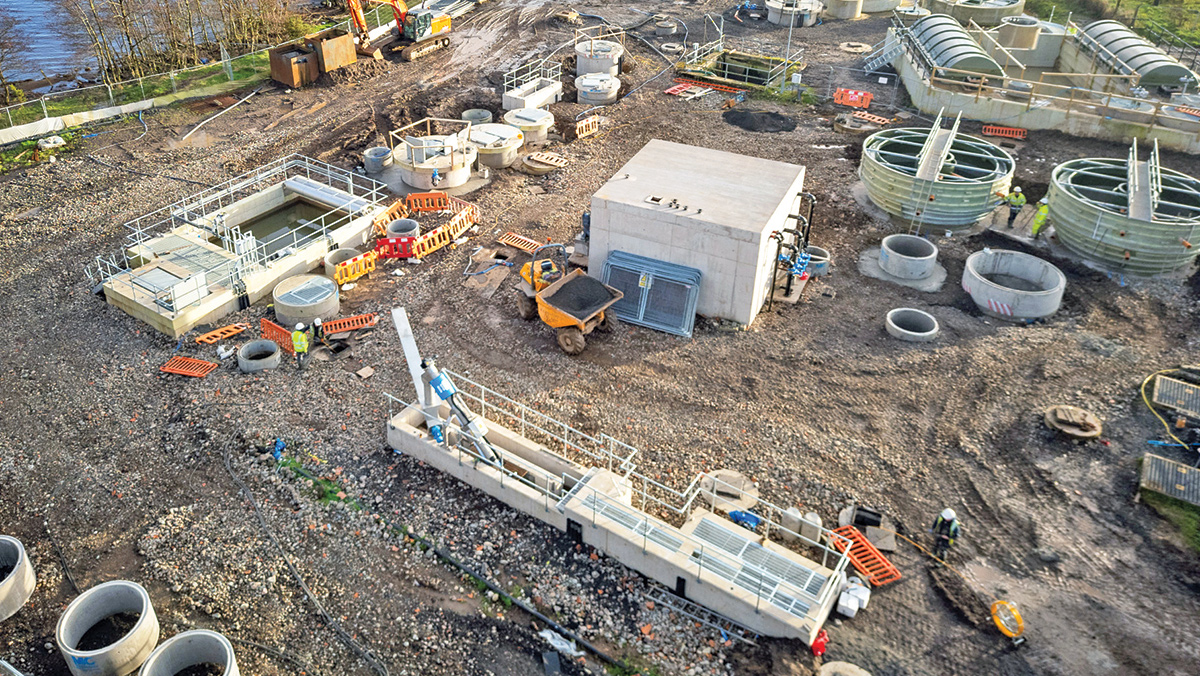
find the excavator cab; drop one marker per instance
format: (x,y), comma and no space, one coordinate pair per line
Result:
(422,24)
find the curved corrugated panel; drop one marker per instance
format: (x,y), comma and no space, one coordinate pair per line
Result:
(950,46)
(1152,65)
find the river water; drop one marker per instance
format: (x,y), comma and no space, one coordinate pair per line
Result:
(55,44)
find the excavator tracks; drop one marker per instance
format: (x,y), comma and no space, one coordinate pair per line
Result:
(422,49)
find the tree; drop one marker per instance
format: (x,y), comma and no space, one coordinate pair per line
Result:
(10,56)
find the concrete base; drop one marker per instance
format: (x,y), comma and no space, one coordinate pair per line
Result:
(859,192)
(868,264)
(394,180)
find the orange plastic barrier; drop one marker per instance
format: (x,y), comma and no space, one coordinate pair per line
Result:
(186,366)
(424,202)
(213,337)
(587,126)
(348,271)
(865,557)
(394,247)
(1194,112)
(867,117)
(519,242)
(350,323)
(709,85)
(1004,132)
(398,209)
(277,334)
(853,98)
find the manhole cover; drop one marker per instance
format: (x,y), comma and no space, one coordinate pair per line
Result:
(855,47)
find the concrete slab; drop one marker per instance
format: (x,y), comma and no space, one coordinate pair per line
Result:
(391,176)
(868,264)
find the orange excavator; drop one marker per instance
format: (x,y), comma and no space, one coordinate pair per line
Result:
(420,31)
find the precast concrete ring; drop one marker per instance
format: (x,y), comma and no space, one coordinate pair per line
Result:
(124,655)
(664,28)
(1013,285)
(190,649)
(17,585)
(259,355)
(672,48)
(855,47)
(912,325)
(908,256)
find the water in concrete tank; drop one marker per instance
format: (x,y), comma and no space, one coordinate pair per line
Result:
(107,631)
(1011,282)
(294,215)
(207,669)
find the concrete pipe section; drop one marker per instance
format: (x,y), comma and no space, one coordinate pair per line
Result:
(597,89)
(376,159)
(795,12)
(336,256)
(108,631)
(16,577)
(498,144)
(1013,286)
(907,256)
(534,123)
(598,56)
(914,326)
(477,115)
(303,298)
(819,264)
(403,227)
(259,355)
(662,28)
(197,648)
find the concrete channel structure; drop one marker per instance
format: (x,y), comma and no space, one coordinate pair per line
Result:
(707,209)
(226,247)
(773,580)
(935,179)
(1131,215)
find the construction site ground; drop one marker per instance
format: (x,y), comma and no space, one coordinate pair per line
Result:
(110,469)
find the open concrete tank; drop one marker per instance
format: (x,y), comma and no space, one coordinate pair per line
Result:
(935,179)
(1131,215)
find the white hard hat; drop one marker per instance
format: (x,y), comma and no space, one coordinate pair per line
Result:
(300,327)
(317,321)
(1017,189)
(1043,201)
(948,514)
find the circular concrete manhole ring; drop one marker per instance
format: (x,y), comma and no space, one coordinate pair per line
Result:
(123,655)
(672,48)
(191,649)
(855,47)
(908,256)
(912,325)
(842,669)
(664,28)
(17,585)
(259,355)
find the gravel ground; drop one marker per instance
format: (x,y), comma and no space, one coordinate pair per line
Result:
(121,468)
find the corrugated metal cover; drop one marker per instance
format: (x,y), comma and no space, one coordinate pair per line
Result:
(1115,41)
(1171,478)
(658,295)
(1177,395)
(950,46)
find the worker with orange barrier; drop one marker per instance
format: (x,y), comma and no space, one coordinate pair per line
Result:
(300,346)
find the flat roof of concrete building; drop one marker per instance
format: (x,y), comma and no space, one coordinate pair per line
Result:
(733,190)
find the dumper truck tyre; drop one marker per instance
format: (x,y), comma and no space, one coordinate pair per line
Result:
(608,323)
(526,306)
(571,340)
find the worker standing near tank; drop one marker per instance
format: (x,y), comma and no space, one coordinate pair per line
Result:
(945,531)
(1015,201)
(1040,216)
(318,331)
(300,346)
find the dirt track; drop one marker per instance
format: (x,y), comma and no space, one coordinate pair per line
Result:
(123,467)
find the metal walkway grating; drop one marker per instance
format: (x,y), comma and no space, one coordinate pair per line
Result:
(640,526)
(1177,395)
(1171,478)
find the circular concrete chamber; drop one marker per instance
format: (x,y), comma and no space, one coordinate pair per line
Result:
(303,298)
(404,227)
(497,144)
(795,12)
(259,355)
(375,159)
(534,123)
(598,56)
(336,256)
(907,256)
(195,648)
(664,28)
(1013,286)
(17,579)
(818,265)
(912,325)
(597,89)
(450,155)
(112,649)
(477,115)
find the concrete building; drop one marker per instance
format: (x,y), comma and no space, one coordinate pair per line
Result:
(707,209)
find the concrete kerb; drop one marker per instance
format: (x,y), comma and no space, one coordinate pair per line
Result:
(189,649)
(127,653)
(912,325)
(16,588)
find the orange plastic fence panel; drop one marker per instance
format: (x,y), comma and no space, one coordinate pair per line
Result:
(1004,132)
(186,366)
(350,323)
(398,209)
(709,85)
(519,242)
(424,202)
(587,126)
(853,97)
(868,117)
(865,557)
(277,334)
(217,335)
(348,271)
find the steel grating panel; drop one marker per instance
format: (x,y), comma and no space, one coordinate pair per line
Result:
(1171,478)
(561,505)
(641,527)
(658,295)
(1177,395)
(311,291)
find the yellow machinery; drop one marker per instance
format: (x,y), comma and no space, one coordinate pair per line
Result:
(573,304)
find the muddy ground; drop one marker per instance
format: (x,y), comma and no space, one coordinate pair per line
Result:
(112,470)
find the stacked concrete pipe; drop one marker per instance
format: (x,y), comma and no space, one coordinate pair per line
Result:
(908,256)
(17,586)
(124,655)
(189,649)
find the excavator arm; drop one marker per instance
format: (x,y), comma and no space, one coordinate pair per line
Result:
(399,10)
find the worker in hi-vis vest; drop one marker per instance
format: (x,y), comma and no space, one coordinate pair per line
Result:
(300,345)
(1015,201)
(1040,216)
(945,531)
